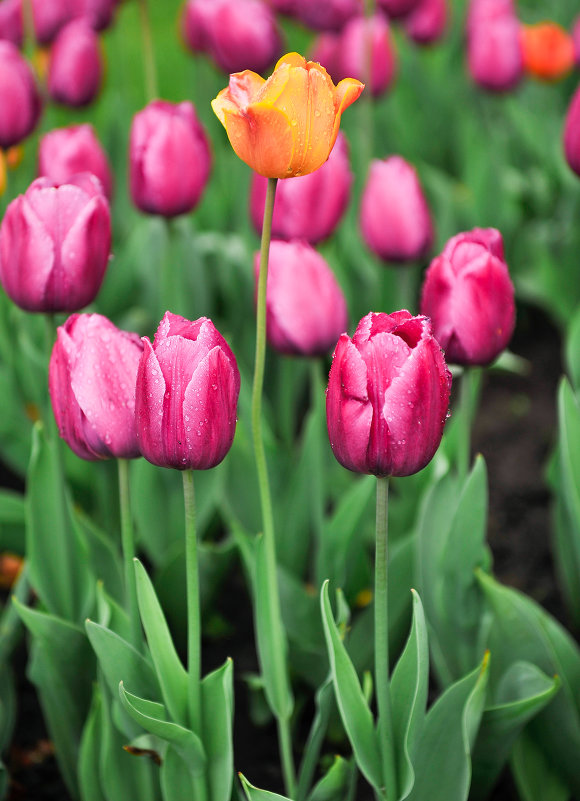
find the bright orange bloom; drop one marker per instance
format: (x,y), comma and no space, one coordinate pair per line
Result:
(548,50)
(287,125)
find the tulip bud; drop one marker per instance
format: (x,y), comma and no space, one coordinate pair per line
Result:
(237,34)
(169,158)
(398,8)
(98,13)
(395,219)
(75,69)
(469,297)
(310,206)
(11,21)
(305,308)
(91,379)
(426,22)
(331,15)
(19,98)
(49,17)
(494,51)
(572,133)
(388,395)
(54,244)
(187,392)
(65,152)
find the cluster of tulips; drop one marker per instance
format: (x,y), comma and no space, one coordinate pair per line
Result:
(130,718)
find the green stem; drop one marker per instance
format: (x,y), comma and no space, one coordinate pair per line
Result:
(464,442)
(382,642)
(148,52)
(406,280)
(193,604)
(170,293)
(128,548)
(280,676)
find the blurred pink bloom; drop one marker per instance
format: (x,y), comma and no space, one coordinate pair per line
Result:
(55,244)
(98,13)
(576,41)
(330,15)
(494,52)
(75,68)
(398,8)
(92,374)
(469,296)
(11,21)
(426,22)
(236,34)
(49,17)
(388,395)
(394,216)
(65,152)
(305,307)
(572,133)
(186,397)
(20,105)
(169,158)
(310,206)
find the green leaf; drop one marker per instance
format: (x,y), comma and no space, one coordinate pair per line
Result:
(253,794)
(171,674)
(573,351)
(217,699)
(409,688)
(522,692)
(104,558)
(533,775)
(88,768)
(324,700)
(153,718)
(443,764)
(334,783)
(175,778)
(354,711)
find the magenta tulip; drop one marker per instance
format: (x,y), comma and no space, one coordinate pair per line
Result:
(494,52)
(98,13)
(49,17)
(469,297)
(186,397)
(64,152)
(395,219)
(169,158)
(398,8)
(19,98)
(11,21)
(309,206)
(572,133)
(75,69)
(55,243)
(236,34)
(426,22)
(576,40)
(388,395)
(305,307)
(330,15)
(92,374)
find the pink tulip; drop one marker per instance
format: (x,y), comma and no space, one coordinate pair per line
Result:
(310,206)
(92,374)
(236,34)
(330,15)
(305,307)
(426,22)
(11,21)
(75,69)
(19,99)
(65,152)
(98,13)
(394,217)
(469,297)
(494,52)
(388,395)
(398,8)
(572,133)
(49,17)
(169,158)
(576,40)
(55,243)
(186,397)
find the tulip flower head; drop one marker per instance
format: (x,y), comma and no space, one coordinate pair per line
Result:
(330,15)
(64,152)
(75,69)
(426,22)
(572,133)
(19,97)
(398,8)
(186,397)
(494,50)
(92,373)
(469,296)
(548,50)
(388,395)
(55,243)
(286,125)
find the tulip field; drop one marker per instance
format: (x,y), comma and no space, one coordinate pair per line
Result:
(290,381)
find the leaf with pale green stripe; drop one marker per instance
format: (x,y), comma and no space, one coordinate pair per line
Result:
(533,774)
(334,783)
(254,794)
(217,700)
(354,711)
(89,779)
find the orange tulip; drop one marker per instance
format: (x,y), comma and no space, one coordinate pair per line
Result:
(548,50)
(286,125)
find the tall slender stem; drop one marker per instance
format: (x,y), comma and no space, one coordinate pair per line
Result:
(128,548)
(464,443)
(382,642)
(193,604)
(148,52)
(280,676)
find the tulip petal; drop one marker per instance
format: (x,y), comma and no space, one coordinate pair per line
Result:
(347,91)
(263,138)
(149,404)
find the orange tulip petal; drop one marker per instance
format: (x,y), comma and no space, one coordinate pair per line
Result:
(263,138)
(321,121)
(347,91)
(292,60)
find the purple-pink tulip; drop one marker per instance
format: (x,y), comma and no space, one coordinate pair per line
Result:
(305,307)
(494,51)
(75,69)
(469,296)
(186,397)
(309,206)
(11,21)
(572,133)
(55,244)
(576,40)
(169,158)
(388,395)
(64,152)
(236,34)
(91,379)
(394,217)
(98,13)
(49,17)
(19,98)
(426,22)
(398,8)
(330,15)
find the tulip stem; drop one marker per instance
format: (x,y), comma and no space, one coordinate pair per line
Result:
(279,668)
(148,52)
(464,443)
(193,604)
(128,548)
(385,723)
